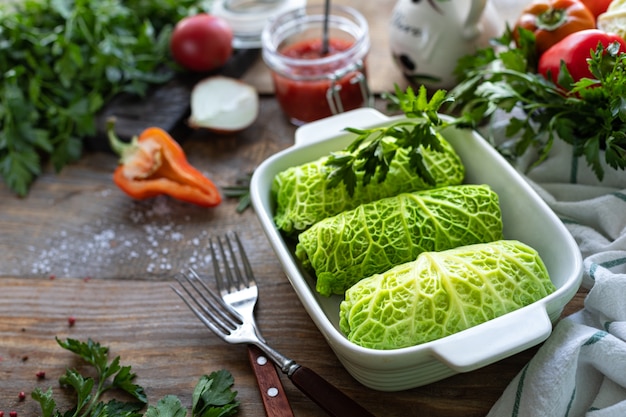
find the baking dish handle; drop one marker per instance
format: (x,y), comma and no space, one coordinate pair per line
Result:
(334,125)
(516,331)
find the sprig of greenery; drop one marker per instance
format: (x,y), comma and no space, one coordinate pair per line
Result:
(61,61)
(109,376)
(370,154)
(589,114)
(212,396)
(241,191)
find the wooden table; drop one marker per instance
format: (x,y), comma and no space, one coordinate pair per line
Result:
(77,247)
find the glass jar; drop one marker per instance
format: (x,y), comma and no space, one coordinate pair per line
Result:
(247,18)
(311,85)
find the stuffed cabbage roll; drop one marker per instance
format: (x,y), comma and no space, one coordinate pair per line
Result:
(303,197)
(375,236)
(442,293)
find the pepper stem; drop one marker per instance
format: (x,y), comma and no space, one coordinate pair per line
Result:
(120,147)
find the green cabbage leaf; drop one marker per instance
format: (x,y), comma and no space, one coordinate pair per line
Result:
(442,293)
(303,196)
(376,236)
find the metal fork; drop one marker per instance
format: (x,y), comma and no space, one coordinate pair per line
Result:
(233,327)
(238,290)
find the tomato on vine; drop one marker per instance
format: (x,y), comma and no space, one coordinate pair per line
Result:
(553,20)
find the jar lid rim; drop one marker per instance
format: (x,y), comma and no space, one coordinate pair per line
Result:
(249,18)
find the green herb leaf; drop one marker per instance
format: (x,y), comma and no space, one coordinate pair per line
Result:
(115,408)
(370,153)
(123,380)
(45,400)
(168,406)
(90,351)
(82,386)
(213,396)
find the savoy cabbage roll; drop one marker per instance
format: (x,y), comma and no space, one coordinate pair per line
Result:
(375,236)
(303,197)
(442,293)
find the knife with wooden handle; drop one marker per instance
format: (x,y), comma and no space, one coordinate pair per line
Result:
(273,395)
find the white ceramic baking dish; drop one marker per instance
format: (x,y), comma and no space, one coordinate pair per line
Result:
(525,216)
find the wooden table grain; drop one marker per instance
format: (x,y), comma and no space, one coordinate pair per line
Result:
(77,247)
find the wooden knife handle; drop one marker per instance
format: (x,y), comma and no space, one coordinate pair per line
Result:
(327,396)
(274,397)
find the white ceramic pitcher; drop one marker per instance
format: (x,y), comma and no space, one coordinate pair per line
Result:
(427,37)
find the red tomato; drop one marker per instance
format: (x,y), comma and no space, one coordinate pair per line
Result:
(574,50)
(552,20)
(202,42)
(596,7)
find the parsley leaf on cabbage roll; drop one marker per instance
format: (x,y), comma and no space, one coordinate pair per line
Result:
(378,235)
(442,293)
(303,195)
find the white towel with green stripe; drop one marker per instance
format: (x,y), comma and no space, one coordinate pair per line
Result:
(581,368)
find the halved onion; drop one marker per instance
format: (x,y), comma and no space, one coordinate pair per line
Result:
(223,104)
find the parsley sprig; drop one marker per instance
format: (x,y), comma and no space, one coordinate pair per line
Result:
(370,154)
(589,114)
(212,397)
(110,376)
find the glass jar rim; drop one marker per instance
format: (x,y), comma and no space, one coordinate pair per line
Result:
(344,18)
(247,18)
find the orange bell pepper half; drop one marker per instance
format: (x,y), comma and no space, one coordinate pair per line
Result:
(154,164)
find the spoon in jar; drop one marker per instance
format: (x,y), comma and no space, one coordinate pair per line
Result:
(325,28)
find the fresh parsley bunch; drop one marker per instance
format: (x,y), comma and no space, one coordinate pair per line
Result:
(212,396)
(61,61)
(590,114)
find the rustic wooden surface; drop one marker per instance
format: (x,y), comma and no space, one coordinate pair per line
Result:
(78,247)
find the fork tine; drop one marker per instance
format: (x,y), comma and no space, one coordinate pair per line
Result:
(208,323)
(215,297)
(246,263)
(226,281)
(236,280)
(217,273)
(232,279)
(213,317)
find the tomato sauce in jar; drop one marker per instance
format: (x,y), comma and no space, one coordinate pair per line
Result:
(307,94)
(310,84)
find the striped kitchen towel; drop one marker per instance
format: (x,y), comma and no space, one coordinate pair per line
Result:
(581,368)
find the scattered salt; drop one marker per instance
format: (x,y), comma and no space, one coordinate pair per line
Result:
(153,240)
